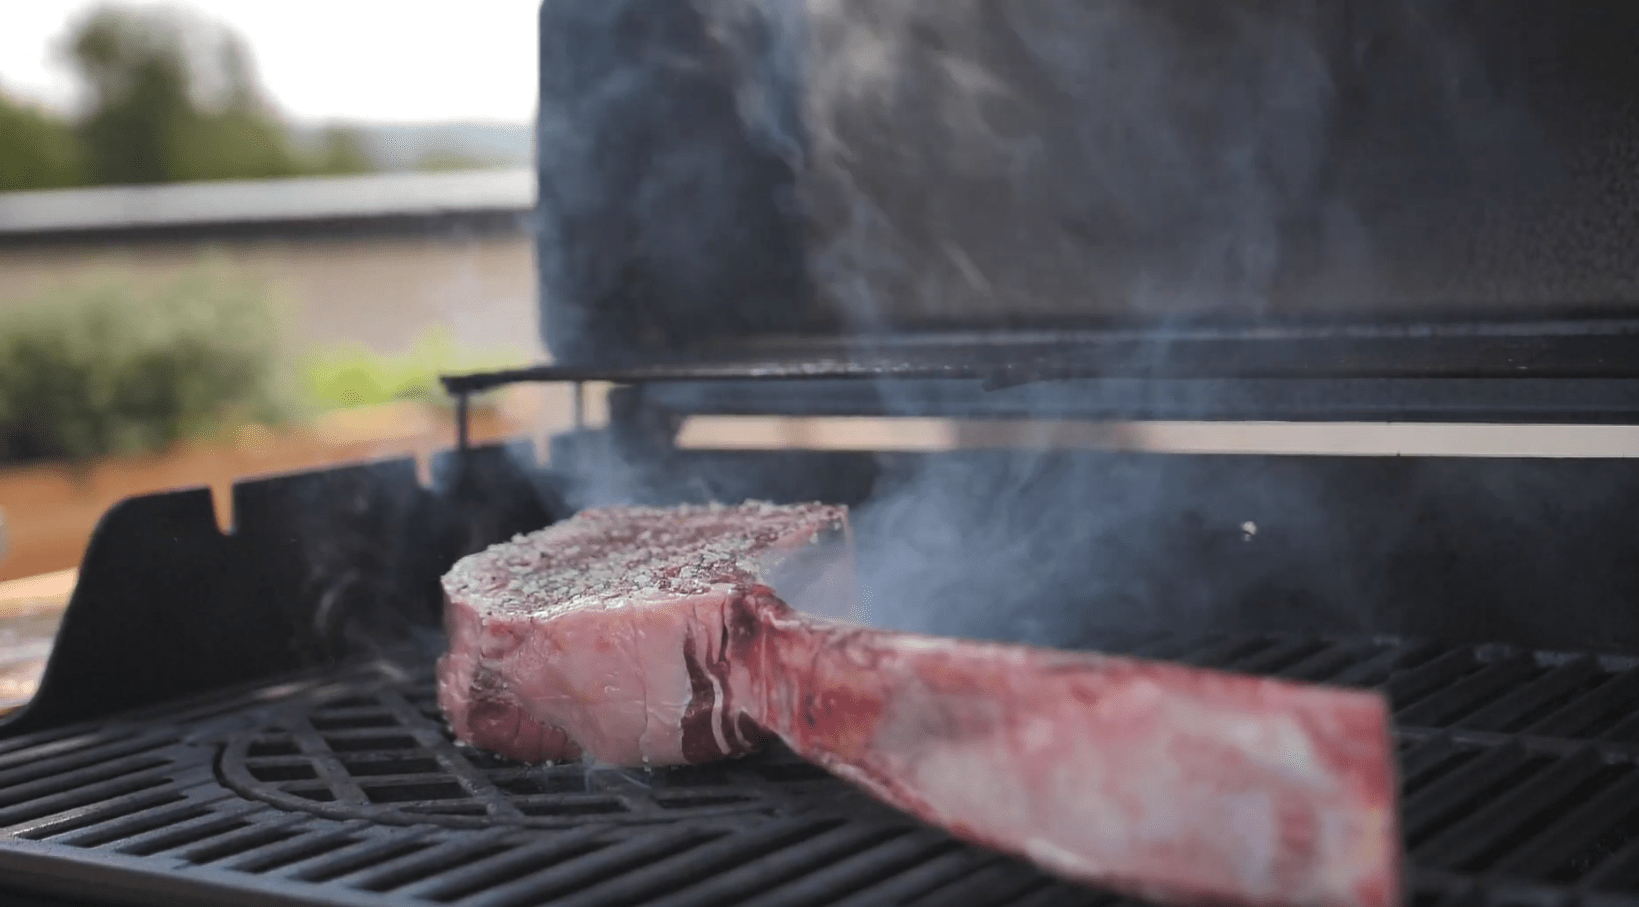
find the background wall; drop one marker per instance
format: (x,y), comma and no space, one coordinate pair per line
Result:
(381,292)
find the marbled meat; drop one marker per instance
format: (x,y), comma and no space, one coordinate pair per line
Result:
(641,636)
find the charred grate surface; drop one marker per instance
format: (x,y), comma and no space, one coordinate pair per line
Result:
(390,757)
(1520,773)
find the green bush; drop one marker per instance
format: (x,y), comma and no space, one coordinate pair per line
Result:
(353,375)
(114,368)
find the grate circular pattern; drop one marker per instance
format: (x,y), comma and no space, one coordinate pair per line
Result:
(389,757)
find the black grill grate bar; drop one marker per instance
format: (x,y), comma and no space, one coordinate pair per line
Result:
(1520,705)
(58,763)
(685,868)
(414,867)
(389,738)
(128,825)
(1478,836)
(222,702)
(243,842)
(1406,687)
(438,778)
(853,873)
(576,873)
(569,804)
(1219,650)
(331,771)
(1574,832)
(1462,786)
(475,782)
(333,864)
(66,802)
(1436,888)
(352,713)
(1615,695)
(1062,895)
(27,749)
(919,880)
(781,866)
(1428,756)
(1541,746)
(997,883)
(287,851)
(1623,731)
(378,722)
(1283,653)
(1331,660)
(505,866)
(78,779)
(1470,693)
(1615,872)
(1375,670)
(106,810)
(180,834)
(295,761)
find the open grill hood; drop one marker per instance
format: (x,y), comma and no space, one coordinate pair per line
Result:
(1317,189)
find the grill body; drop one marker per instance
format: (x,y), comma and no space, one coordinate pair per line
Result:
(309,766)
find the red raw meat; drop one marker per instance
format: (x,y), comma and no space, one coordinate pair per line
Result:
(641,636)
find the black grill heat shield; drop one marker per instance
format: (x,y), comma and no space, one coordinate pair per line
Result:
(1257,210)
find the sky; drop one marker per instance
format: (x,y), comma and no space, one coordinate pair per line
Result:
(409,61)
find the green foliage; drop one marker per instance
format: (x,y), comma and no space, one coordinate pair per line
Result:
(37,151)
(342,151)
(173,99)
(448,159)
(354,375)
(110,368)
(176,98)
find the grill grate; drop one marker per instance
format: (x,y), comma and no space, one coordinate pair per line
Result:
(390,758)
(1520,773)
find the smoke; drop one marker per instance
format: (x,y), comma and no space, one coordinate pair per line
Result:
(972,163)
(979,163)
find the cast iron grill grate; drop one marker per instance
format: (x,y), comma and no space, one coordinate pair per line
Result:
(391,758)
(1520,772)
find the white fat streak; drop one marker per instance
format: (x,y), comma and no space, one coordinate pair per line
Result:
(1051,856)
(717,712)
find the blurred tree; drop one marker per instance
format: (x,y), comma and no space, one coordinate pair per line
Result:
(139,84)
(37,150)
(176,98)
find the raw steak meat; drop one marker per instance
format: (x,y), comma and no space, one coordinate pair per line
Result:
(643,636)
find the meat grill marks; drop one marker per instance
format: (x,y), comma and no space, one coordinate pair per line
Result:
(1176,784)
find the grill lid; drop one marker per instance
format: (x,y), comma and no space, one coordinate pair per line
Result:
(833,172)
